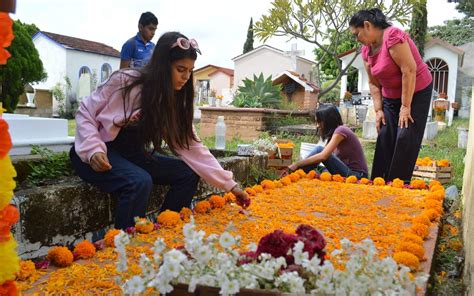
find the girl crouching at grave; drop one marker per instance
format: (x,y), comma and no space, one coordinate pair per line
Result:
(121,128)
(343,152)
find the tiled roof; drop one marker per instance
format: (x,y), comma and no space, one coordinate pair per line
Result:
(227,71)
(83,45)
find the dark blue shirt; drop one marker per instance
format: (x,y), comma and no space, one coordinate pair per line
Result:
(136,51)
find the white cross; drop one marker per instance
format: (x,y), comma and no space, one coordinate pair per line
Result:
(294,53)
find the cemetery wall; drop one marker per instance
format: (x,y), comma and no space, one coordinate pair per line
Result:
(43,104)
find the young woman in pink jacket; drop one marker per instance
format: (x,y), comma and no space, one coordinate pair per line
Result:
(122,126)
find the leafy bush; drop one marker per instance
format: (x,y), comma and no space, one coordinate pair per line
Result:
(257,93)
(333,95)
(51,166)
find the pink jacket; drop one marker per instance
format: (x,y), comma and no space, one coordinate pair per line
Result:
(95,126)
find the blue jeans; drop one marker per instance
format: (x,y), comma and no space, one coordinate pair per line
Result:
(132,177)
(334,165)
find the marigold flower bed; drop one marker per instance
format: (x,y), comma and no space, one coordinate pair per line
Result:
(388,215)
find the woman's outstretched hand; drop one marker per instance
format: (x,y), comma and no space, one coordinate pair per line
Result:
(242,198)
(404,117)
(100,162)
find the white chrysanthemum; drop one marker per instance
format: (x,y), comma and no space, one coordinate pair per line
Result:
(226,240)
(229,287)
(292,281)
(252,247)
(134,286)
(203,254)
(175,256)
(298,254)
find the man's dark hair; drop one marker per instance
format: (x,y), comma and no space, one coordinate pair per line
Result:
(148,18)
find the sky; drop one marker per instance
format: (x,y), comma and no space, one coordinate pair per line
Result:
(219,26)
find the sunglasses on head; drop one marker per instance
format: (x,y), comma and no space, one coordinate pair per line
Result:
(185,44)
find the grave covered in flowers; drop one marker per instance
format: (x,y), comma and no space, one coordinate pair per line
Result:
(303,233)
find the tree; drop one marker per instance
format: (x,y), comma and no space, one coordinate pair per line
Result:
(248,46)
(456,32)
(322,23)
(465,6)
(419,25)
(23,67)
(32,29)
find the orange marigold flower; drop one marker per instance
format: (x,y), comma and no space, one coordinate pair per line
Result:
(431,214)
(202,207)
(143,225)
(455,244)
(420,229)
(285,180)
(411,237)
(60,256)
(325,176)
(301,173)
(311,175)
(84,250)
(5,140)
(229,197)
(351,179)
(413,248)
(418,184)
(258,188)
(8,288)
(434,204)
(278,184)
(364,181)
(268,184)
(398,183)
(437,195)
(433,183)
(27,269)
(407,259)
(217,201)
(294,177)
(437,188)
(251,191)
(422,219)
(379,181)
(110,236)
(186,213)
(337,178)
(168,218)
(442,163)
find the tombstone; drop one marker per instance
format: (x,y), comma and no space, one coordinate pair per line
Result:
(369,131)
(431,130)
(349,115)
(465,109)
(26,131)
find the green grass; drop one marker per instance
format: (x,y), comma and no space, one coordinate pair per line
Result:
(71,127)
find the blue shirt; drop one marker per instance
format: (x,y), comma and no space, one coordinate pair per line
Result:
(136,51)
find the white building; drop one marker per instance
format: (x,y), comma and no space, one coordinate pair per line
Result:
(85,63)
(269,61)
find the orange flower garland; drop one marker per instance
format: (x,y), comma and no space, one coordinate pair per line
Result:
(229,197)
(168,218)
(397,183)
(351,179)
(364,181)
(412,248)
(407,259)
(84,250)
(379,181)
(202,207)
(418,184)
(6,36)
(325,176)
(60,256)
(338,178)
(186,213)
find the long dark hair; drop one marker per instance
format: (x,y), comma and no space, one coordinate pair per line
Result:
(373,15)
(165,114)
(328,118)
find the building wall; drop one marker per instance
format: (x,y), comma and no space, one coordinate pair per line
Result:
(78,59)
(220,81)
(468,204)
(264,61)
(53,56)
(304,68)
(43,104)
(203,74)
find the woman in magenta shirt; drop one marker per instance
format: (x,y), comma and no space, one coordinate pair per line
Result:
(400,84)
(123,124)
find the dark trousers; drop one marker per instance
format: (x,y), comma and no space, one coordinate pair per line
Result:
(397,148)
(131,180)
(333,164)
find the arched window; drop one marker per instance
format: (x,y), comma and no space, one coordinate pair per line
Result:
(440,71)
(105,72)
(84,70)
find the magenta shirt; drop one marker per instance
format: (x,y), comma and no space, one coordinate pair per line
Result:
(350,150)
(387,71)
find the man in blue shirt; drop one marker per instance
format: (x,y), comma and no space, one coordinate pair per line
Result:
(137,51)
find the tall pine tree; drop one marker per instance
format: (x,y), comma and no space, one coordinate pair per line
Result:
(248,46)
(419,26)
